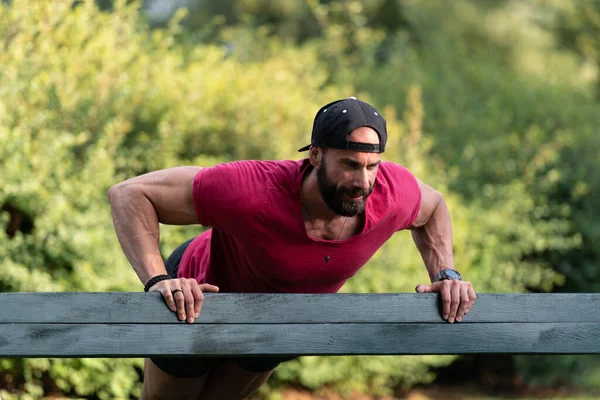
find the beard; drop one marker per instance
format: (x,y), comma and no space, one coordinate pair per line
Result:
(332,194)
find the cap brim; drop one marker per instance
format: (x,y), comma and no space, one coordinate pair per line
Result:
(304,148)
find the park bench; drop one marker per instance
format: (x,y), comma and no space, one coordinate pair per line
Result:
(139,324)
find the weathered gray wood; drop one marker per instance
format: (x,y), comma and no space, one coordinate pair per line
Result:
(293,308)
(80,340)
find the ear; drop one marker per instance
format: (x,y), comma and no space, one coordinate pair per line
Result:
(315,155)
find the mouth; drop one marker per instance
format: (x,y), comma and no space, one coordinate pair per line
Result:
(353,198)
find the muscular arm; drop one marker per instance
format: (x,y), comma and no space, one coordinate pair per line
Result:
(432,231)
(140,204)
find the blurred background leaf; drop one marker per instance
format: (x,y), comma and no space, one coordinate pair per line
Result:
(494,103)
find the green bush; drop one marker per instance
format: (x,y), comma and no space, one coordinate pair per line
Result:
(90,98)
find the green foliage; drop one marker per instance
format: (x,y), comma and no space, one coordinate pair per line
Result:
(90,98)
(576,28)
(544,371)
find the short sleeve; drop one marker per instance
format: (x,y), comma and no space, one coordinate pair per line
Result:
(414,200)
(400,198)
(228,194)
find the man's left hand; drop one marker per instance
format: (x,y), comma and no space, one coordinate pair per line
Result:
(457,297)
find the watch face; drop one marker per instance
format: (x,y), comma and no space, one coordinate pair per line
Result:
(451,274)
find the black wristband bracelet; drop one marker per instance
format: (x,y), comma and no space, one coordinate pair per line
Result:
(155,280)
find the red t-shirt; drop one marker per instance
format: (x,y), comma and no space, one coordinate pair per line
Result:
(258,242)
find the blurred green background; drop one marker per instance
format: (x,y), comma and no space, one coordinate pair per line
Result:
(494,103)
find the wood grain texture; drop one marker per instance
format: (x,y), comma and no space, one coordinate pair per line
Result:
(125,340)
(238,308)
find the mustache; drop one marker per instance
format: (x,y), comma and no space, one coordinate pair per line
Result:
(355,192)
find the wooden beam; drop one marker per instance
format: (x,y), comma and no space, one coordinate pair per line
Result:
(241,308)
(102,340)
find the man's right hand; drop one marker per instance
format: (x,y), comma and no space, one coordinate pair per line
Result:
(184,296)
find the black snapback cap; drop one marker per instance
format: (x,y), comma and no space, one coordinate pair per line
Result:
(335,121)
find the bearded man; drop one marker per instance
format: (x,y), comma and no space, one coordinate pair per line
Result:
(301,226)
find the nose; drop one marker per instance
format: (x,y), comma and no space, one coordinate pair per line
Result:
(361,179)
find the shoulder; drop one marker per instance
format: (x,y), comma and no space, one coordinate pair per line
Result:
(248,171)
(257,166)
(395,176)
(240,179)
(396,194)
(279,169)
(230,192)
(285,174)
(238,190)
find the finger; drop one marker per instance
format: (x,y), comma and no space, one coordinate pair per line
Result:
(207,287)
(472,295)
(464,302)
(166,293)
(446,297)
(188,303)
(165,289)
(198,298)
(423,289)
(179,297)
(454,300)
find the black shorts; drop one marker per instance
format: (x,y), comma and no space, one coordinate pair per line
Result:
(193,367)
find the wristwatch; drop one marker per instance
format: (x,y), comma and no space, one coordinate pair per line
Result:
(447,274)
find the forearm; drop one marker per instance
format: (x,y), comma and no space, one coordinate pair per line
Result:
(434,240)
(140,204)
(137,228)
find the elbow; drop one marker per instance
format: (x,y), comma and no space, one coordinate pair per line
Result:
(112,193)
(116,192)
(440,198)
(126,194)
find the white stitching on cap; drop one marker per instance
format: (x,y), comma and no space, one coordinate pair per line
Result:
(353,98)
(324,110)
(375,113)
(344,111)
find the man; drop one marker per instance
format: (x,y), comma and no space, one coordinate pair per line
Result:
(279,226)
